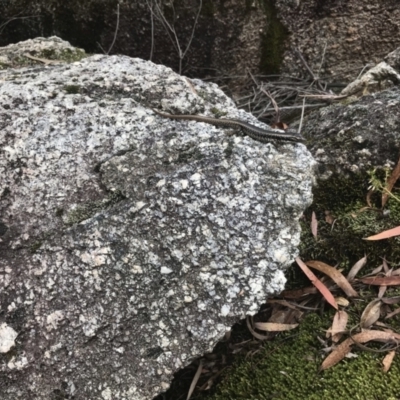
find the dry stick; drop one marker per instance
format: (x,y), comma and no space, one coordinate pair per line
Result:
(171,28)
(322,60)
(195,379)
(274,103)
(315,79)
(4,24)
(301,118)
(115,35)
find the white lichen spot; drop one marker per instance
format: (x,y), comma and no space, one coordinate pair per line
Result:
(166,270)
(138,206)
(137,269)
(196,178)
(223,199)
(161,183)
(17,364)
(53,319)
(358,139)
(281,255)
(354,168)
(188,299)
(225,310)
(184,183)
(119,350)
(7,338)
(106,394)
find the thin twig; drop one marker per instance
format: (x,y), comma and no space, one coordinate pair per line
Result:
(322,59)
(152,31)
(171,31)
(302,115)
(116,31)
(315,79)
(195,379)
(4,24)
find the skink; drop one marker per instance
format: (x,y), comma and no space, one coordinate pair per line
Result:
(256,133)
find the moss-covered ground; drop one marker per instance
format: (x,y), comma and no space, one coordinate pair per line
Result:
(287,368)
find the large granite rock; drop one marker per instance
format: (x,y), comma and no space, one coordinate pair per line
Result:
(131,243)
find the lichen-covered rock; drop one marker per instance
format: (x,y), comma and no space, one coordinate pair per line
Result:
(50,50)
(353,138)
(131,243)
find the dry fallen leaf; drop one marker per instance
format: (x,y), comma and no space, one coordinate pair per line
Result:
(393,313)
(341,301)
(385,234)
(381,280)
(356,268)
(343,348)
(317,283)
(338,326)
(274,327)
(387,361)
(390,300)
(314,225)
(335,275)
(249,323)
(370,314)
(296,294)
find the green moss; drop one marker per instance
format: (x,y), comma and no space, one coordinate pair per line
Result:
(72,89)
(86,211)
(343,240)
(273,40)
(287,368)
(217,112)
(36,246)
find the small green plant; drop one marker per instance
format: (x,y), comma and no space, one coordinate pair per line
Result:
(377,184)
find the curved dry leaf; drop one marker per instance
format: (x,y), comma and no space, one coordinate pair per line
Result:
(343,348)
(391,300)
(370,314)
(381,280)
(385,234)
(387,361)
(274,326)
(393,313)
(338,326)
(314,225)
(335,275)
(341,301)
(356,268)
(317,283)
(253,332)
